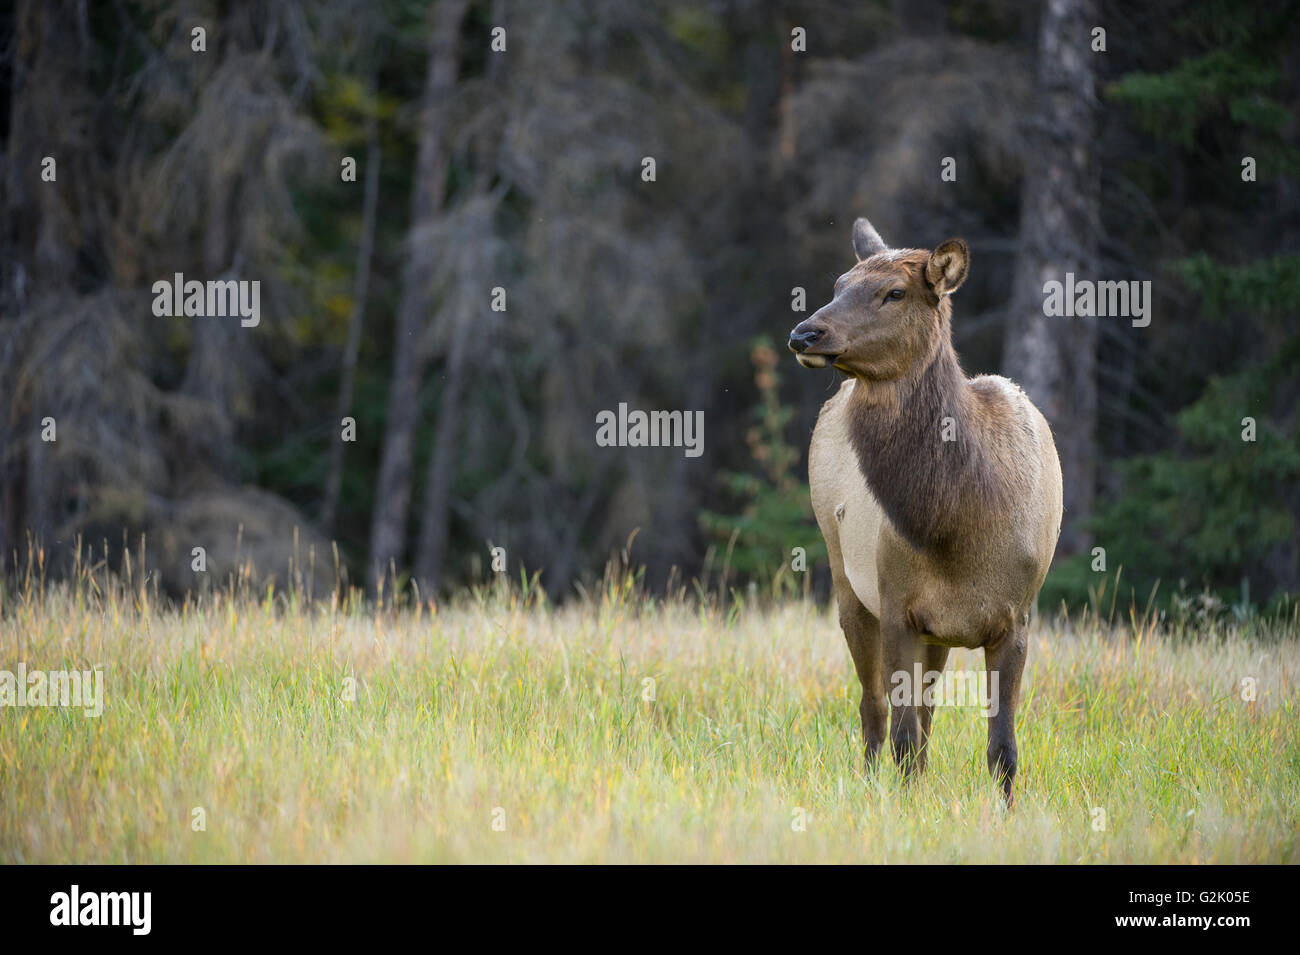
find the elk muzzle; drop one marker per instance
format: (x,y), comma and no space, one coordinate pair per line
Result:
(804,336)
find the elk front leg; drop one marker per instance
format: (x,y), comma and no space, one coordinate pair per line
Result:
(935,658)
(862,633)
(901,651)
(1005,660)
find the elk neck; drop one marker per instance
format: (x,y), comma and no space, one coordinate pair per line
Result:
(922,444)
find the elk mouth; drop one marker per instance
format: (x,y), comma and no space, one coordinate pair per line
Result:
(809,360)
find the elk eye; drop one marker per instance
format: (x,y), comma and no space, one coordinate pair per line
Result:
(894,295)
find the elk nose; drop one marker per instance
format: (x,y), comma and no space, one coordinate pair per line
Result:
(802,337)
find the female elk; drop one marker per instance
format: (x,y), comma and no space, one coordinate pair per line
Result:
(939,496)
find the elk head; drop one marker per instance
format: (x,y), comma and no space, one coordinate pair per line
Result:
(890,312)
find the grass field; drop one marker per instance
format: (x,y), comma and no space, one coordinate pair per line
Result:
(498,728)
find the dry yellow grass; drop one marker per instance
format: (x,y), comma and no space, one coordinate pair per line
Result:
(505,710)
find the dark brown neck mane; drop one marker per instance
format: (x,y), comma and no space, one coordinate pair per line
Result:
(935,492)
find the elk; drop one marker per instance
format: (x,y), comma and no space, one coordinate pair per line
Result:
(939,496)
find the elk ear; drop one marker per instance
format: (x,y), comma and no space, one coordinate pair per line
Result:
(947,266)
(866,240)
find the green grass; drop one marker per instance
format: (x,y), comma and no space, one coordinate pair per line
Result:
(499,700)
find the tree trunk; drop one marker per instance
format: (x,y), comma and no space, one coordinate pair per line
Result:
(39,236)
(393,488)
(1055,358)
(334,476)
(433,531)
